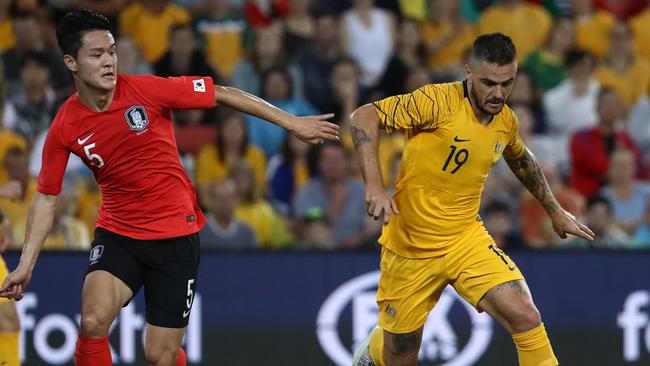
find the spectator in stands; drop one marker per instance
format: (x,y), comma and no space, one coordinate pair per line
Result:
(8,141)
(341,197)
(214,161)
(108,8)
(270,228)
(523,92)
(640,25)
(628,197)
(641,237)
(287,172)
(446,36)
(7,40)
(316,230)
(131,60)
(29,38)
(571,105)
(599,219)
(222,229)
(407,55)
(546,65)
(639,126)
(34,104)
(526,23)
(498,222)
(347,93)
(148,23)
(593,27)
(317,61)
(546,148)
(368,36)
(182,57)
(267,53)
(277,89)
(536,226)
(299,26)
(622,70)
(591,148)
(15,162)
(224,34)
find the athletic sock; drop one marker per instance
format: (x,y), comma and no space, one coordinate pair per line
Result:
(182,360)
(376,346)
(534,348)
(9,349)
(92,352)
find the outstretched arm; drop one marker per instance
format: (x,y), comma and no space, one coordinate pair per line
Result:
(39,223)
(311,129)
(527,170)
(364,127)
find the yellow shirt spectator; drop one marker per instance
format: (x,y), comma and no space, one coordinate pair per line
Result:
(16,210)
(457,39)
(527,24)
(630,84)
(415,9)
(641,27)
(269,227)
(7,40)
(592,32)
(150,30)
(69,233)
(210,168)
(9,140)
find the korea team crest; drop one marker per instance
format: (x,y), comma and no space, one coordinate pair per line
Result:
(136,117)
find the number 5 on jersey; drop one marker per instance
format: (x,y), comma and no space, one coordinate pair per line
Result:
(92,156)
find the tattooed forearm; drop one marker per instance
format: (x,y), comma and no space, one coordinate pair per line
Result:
(527,170)
(406,344)
(359,136)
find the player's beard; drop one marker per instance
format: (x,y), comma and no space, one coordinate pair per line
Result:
(480,106)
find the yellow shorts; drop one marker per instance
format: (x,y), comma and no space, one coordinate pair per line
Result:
(409,288)
(3,274)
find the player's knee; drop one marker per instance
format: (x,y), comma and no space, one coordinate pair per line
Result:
(525,319)
(161,356)
(95,323)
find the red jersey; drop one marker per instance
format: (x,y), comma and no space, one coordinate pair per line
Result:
(132,153)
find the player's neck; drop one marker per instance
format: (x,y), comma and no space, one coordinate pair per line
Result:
(94,99)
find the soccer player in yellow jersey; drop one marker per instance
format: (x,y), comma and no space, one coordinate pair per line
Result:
(9,323)
(432,235)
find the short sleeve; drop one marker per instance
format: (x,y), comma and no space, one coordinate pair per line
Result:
(182,92)
(515,147)
(55,159)
(424,108)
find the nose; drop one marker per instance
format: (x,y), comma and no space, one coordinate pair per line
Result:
(498,92)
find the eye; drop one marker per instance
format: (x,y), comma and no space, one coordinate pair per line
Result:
(508,83)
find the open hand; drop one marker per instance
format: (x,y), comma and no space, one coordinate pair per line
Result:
(315,129)
(565,223)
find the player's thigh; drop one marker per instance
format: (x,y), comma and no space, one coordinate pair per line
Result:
(402,349)
(408,290)
(113,277)
(511,304)
(478,265)
(171,280)
(8,314)
(162,344)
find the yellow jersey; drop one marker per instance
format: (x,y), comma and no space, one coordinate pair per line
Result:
(640,25)
(592,32)
(447,156)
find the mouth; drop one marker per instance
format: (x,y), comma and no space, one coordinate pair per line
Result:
(108,75)
(495,104)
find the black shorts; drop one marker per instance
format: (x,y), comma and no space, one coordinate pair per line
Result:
(167,268)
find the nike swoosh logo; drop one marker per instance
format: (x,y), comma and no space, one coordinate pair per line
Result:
(186,313)
(460,140)
(512,268)
(81,141)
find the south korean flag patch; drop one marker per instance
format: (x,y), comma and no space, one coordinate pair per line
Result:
(199,85)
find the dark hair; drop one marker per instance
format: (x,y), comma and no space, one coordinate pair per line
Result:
(14,151)
(606,90)
(37,57)
(314,155)
(74,25)
(576,56)
(277,70)
(494,48)
(176,27)
(496,207)
(225,115)
(23,15)
(598,199)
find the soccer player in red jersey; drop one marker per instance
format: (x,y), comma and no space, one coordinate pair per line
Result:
(146,235)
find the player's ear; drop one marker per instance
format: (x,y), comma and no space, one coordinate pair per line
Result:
(70,63)
(468,71)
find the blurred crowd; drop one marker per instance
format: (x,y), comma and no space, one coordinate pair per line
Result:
(581,95)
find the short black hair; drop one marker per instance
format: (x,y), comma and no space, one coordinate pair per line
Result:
(74,25)
(36,57)
(494,48)
(496,207)
(598,199)
(576,56)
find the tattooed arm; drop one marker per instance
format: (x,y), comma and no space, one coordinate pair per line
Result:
(527,170)
(364,127)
